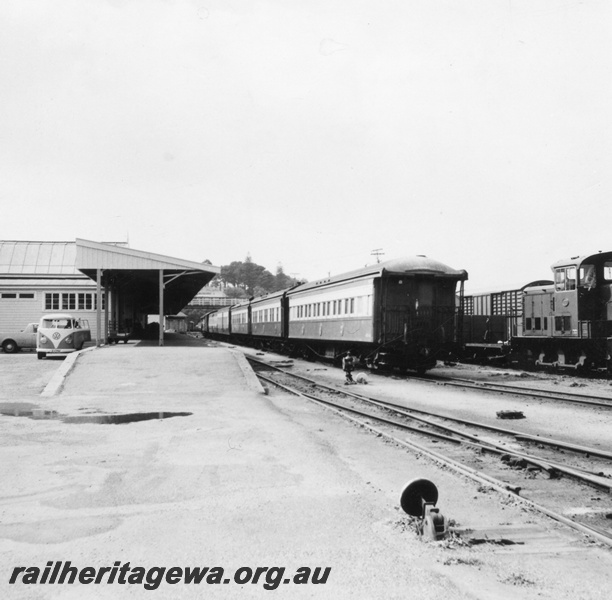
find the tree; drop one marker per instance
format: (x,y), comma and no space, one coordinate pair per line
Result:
(281,280)
(252,279)
(235,292)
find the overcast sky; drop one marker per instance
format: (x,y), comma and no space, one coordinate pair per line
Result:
(312,132)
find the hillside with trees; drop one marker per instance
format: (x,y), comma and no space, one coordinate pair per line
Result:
(247,278)
(244,279)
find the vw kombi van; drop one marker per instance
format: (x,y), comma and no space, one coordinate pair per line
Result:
(61,333)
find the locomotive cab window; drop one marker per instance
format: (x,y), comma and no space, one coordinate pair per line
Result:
(607,270)
(587,276)
(565,279)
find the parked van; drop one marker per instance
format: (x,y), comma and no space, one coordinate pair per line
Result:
(61,333)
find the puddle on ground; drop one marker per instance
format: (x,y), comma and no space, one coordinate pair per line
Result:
(31,411)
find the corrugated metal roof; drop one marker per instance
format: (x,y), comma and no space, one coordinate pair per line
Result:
(38,258)
(92,255)
(61,258)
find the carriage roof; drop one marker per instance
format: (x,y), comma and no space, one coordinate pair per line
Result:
(411,266)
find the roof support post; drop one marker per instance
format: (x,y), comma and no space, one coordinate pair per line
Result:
(161,307)
(98,307)
(106,301)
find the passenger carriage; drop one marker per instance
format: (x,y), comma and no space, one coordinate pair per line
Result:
(217,324)
(240,319)
(268,318)
(399,313)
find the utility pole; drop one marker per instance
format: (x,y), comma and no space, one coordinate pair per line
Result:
(377,252)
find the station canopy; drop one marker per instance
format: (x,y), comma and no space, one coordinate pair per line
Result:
(136,274)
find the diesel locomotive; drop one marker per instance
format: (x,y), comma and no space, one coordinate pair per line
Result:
(561,323)
(395,314)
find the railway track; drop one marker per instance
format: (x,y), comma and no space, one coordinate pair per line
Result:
(515,390)
(546,474)
(504,388)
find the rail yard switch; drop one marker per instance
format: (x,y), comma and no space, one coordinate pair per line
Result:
(418,499)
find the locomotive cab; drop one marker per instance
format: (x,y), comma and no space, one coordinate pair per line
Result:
(570,322)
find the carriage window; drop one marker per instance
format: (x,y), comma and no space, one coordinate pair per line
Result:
(527,323)
(607,270)
(587,276)
(538,323)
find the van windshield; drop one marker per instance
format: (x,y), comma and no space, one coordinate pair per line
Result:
(60,324)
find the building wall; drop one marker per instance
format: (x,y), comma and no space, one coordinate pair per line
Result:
(23,303)
(179,325)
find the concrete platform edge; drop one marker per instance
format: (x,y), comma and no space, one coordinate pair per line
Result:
(251,379)
(57,381)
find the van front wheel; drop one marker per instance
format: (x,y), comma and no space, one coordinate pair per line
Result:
(41,355)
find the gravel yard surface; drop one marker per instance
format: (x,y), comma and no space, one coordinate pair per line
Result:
(254,480)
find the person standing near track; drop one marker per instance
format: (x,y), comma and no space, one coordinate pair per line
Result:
(348,364)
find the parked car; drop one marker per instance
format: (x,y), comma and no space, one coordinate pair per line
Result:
(13,342)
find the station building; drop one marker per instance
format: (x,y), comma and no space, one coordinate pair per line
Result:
(108,284)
